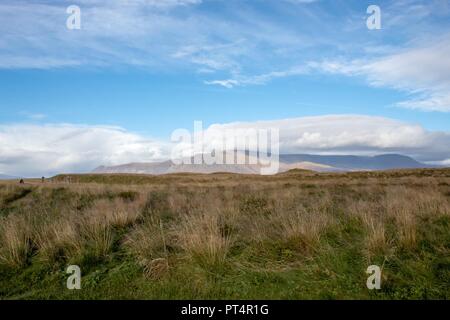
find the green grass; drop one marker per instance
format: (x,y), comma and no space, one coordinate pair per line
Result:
(265,256)
(337,272)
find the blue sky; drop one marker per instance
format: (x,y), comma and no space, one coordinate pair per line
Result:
(147,67)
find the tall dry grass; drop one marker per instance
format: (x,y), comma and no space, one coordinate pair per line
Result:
(407,207)
(148,242)
(202,237)
(203,220)
(65,228)
(15,240)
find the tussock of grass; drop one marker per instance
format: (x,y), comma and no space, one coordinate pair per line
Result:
(15,240)
(201,237)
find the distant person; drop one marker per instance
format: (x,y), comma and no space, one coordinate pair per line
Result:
(43,179)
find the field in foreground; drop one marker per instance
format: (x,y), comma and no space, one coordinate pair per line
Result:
(298,235)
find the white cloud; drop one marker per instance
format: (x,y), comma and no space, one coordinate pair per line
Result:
(33,116)
(301,1)
(156,34)
(35,150)
(230,83)
(213,56)
(165,2)
(127,32)
(445,162)
(422,71)
(354,134)
(261,79)
(249,47)
(154,3)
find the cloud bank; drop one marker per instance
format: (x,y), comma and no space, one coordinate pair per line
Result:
(423,71)
(35,150)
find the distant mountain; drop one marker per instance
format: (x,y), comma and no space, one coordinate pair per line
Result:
(6,177)
(329,163)
(355,163)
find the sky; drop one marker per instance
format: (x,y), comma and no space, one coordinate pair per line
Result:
(114,90)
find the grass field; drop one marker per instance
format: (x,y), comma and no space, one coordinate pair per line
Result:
(297,235)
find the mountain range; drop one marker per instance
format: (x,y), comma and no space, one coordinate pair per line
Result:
(320,163)
(6,177)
